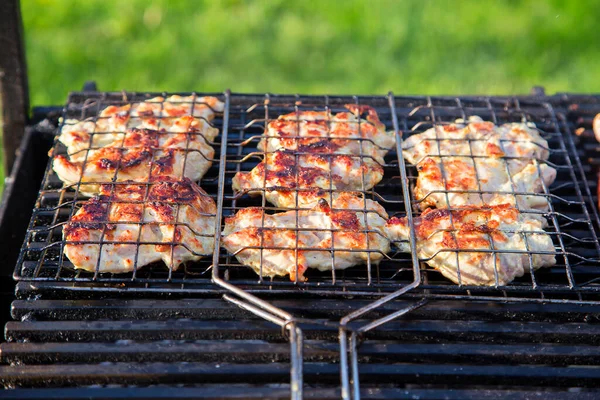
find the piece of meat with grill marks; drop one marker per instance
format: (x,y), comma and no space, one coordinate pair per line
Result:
(286,175)
(480,156)
(324,132)
(315,233)
(176,218)
(133,133)
(477,138)
(137,155)
(475,232)
(155,114)
(459,175)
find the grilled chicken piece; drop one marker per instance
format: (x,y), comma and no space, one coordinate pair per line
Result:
(284,175)
(132,137)
(313,232)
(322,132)
(155,114)
(178,225)
(497,179)
(476,232)
(480,156)
(311,152)
(477,138)
(137,155)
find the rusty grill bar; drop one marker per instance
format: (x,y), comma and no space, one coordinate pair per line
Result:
(571,215)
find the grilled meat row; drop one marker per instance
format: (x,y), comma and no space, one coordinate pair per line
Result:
(140,162)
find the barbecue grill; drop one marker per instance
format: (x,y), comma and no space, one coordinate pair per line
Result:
(214,329)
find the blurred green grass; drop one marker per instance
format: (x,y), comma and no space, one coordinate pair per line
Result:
(340,47)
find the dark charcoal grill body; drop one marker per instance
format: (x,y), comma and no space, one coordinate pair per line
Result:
(80,335)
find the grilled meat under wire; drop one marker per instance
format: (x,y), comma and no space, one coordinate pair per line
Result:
(457,161)
(135,141)
(327,237)
(311,152)
(477,245)
(282,176)
(324,132)
(457,181)
(130,225)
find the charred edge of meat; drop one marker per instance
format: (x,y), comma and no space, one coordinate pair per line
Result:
(162,188)
(141,137)
(107,163)
(320,146)
(165,163)
(137,159)
(347,220)
(323,206)
(372,115)
(93,215)
(179,191)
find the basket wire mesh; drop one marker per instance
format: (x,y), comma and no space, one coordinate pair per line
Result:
(572,216)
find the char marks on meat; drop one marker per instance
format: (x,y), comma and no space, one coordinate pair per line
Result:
(129,225)
(135,141)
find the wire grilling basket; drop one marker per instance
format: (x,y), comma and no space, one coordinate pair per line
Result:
(571,217)
(43,256)
(242,125)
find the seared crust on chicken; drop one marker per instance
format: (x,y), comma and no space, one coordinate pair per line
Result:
(455,181)
(135,141)
(480,156)
(477,138)
(354,236)
(137,155)
(311,152)
(323,132)
(176,218)
(285,175)
(476,232)
(156,113)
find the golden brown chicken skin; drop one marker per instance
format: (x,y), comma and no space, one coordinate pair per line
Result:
(460,243)
(294,241)
(476,162)
(288,178)
(170,220)
(328,133)
(136,141)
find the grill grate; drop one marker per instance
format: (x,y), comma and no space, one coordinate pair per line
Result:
(246,127)
(570,218)
(93,345)
(65,343)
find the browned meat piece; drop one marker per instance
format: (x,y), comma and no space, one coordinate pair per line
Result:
(314,233)
(170,220)
(323,132)
(136,141)
(462,158)
(285,175)
(476,232)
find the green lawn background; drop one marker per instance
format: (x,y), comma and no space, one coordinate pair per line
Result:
(340,47)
